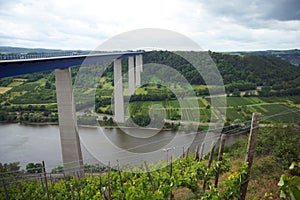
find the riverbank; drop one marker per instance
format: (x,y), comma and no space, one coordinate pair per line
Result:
(125,127)
(31,123)
(86,126)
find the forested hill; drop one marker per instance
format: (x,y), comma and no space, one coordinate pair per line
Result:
(259,69)
(239,70)
(292,56)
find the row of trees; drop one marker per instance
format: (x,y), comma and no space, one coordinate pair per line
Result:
(28,116)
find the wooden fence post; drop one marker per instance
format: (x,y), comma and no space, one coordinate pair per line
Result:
(150,177)
(250,152)
(46,182)
(5,189)
(120,175)
(220,154)
(201,151)
(72,192)
(187,153)
(171,173)
(100,180)
(209,162)
(105,196)
(196,155)
(108,181)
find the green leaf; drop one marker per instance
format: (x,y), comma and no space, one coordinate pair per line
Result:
(295,194)
(295,181)
(282,194)
(281,181)
(292,165)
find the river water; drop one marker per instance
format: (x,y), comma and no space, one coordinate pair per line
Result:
(35,143)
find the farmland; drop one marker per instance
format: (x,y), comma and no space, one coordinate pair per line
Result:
(273,109)
(284,110)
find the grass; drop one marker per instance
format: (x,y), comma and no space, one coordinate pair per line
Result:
(15,84)
(217,101)
(242,101)
(3,90)
(199,87)
(202,102)
(21,79)
(26,87)
(205,115)
(293,99)
(140,90)
(279,113)
(232,114)
(172,109)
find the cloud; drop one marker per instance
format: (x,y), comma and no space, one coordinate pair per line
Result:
(215,25)
(282,10)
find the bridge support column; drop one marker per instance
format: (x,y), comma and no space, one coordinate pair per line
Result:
(138,63)
(141,61)
(118,92)
(70,143)
(131,81)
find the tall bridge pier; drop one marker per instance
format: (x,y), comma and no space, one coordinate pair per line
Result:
(70,141)
(69,137)
(118,92)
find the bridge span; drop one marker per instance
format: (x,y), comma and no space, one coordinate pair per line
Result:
(70,142)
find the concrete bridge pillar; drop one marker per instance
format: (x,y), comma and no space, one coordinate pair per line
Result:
(141,61)
(118,92)
(70,143)
(131,79)
(138,68)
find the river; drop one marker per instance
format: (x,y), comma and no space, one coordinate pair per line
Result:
(35,143)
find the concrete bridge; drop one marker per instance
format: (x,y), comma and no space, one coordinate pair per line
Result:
(70,142)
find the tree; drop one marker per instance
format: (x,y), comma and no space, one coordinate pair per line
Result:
(3,115)
(105,118)
(110,121)
(236,92)
(265,91)
(48,85)
(8,167)
(32,168)
(141,120)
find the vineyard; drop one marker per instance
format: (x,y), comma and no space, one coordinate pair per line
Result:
(238,108)
(185,176)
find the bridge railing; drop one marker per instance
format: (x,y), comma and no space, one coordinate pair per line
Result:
(15,56)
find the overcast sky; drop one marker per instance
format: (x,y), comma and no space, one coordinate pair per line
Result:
(216,25)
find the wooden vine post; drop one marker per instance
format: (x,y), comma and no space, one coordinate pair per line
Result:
(46,182)
(150,177)
(250,152)
(209,164)
(220,154)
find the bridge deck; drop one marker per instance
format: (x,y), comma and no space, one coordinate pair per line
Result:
(26,66)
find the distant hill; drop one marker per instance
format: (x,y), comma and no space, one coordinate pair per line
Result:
(292,56)
(22,50)
(241,71)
